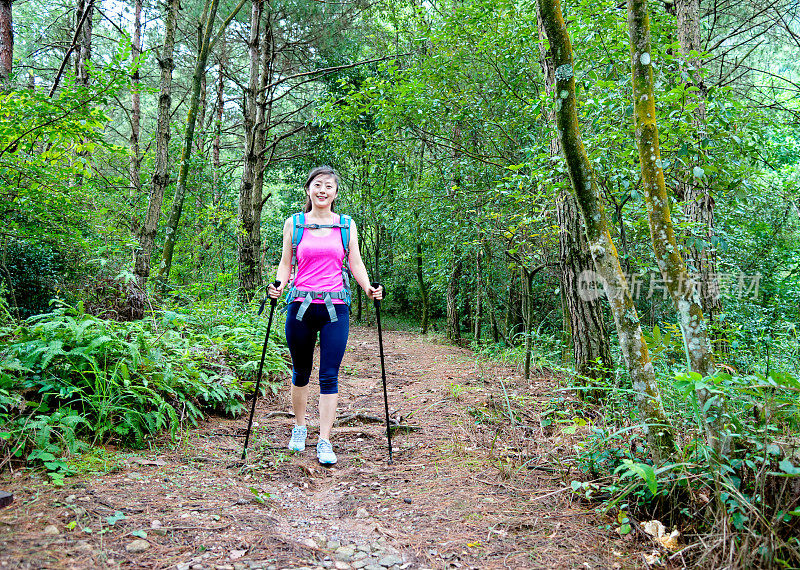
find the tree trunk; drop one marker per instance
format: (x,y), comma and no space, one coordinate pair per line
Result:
(83,50)
(83,53)
(171,230)
(263,116)
(199,140)
(510,320)
(160,179)
(453,321)
(466,312)
(478,308)
(423,292)
(591,347)
(376,272)
(584,317)
(247,252)
(695,192)
(134,169)
(673,271)
(6,41)
(632,343)
(215,147)
(527,318)
(670,263)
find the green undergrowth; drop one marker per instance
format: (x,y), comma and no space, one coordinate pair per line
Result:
(748,493)
(69,379)
(546,351)
(736,508)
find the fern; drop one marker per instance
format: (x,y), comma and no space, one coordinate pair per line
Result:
(125,382)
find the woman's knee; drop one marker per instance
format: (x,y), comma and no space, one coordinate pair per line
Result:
(329,381)
(300,377)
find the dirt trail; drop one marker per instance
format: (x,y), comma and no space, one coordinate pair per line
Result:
(468,489)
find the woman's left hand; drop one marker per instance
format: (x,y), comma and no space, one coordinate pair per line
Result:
(375,293)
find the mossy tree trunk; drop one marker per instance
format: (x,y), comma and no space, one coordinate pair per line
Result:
(583,317)
(264,109)
(677,281)
(632,343)
(591,347)
(681,288)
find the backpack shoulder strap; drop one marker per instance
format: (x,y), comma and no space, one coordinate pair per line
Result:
(344,223)
(298,223)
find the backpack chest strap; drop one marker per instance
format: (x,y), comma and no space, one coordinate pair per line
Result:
(319,226)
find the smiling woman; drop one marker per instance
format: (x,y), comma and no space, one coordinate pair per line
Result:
(321,248)
(321,187)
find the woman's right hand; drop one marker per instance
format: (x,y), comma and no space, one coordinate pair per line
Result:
(275,292)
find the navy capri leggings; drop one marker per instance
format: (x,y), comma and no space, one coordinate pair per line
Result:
(301,336)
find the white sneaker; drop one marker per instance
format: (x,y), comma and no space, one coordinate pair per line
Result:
(325,452)
(298,441)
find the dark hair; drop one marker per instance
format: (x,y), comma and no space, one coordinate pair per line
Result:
(316,171)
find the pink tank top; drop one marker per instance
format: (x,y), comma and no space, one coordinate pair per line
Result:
(319,263)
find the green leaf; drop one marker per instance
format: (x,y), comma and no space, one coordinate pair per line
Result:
(139,533)
(115,518)
(787,467)
(643,470)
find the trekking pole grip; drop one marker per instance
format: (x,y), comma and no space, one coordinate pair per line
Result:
(275,284)
(377,302)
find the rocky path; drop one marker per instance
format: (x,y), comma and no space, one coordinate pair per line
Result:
(477,482)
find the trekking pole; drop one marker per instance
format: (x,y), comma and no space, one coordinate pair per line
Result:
(272,303)
(383,374)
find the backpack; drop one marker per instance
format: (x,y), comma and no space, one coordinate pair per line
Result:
(298,225)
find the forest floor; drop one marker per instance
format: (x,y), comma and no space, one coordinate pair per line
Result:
(468,488)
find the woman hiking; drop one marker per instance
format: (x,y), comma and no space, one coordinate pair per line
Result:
(317,245)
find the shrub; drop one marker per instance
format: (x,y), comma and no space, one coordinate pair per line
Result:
(103,380)
(32,272)
(744,504)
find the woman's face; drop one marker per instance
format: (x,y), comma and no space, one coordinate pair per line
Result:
(322,190)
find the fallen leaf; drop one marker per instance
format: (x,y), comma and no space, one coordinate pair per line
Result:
(670,542)
(236,554)
(657,530)
(654,528)
(653,559)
